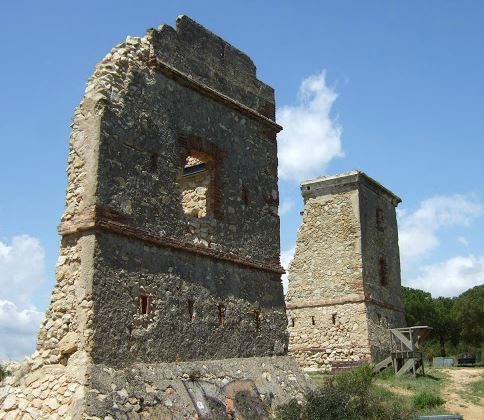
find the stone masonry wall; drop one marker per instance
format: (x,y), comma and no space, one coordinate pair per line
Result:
(138,279)
(186,294)
(323,335)
(326,263)
(346,257)
(326,267)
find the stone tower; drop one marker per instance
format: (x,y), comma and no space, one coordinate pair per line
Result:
(170,241)
(344,282)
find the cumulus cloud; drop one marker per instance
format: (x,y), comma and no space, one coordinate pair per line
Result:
(418,230)
(286,258)
(311,138)
(21,273)
(18,329)
(451,277)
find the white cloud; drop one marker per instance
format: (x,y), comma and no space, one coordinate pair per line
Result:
(286,258)
(21,273)
(418,230)
(462,241)
(311,138)
(18,330)
(451,277)
(286,206)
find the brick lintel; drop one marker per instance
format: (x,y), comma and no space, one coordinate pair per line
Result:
(184,80)
(344,301)
(322,349)
(106,220)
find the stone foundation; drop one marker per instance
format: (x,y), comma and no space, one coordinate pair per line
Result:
(244,388)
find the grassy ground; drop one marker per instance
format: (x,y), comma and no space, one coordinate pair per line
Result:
(474,392)
(419,396)
(422,394)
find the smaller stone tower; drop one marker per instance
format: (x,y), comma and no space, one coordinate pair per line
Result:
(344,282)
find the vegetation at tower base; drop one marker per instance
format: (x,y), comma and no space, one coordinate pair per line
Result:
(457,322)
(346,396)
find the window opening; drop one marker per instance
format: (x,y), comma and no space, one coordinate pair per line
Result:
(221,315)
(196,185)
(190,309)
(245,196)
(313,321)
(145,302)
(153,162)
(383,271)
(333,318)
(293,322)
(257,317)
(380,219)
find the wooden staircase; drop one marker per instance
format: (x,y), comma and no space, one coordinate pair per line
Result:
(406,350)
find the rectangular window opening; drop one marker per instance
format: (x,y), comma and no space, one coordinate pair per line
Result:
(257,317)
(196,185)
(191,313)
(145,304)
(383,271)
(221,315)
(333,318)
(380,219)
(313,321)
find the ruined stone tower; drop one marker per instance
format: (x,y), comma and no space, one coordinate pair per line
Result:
(344,282)
(170,241)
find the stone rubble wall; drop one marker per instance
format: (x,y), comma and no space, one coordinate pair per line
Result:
(194,195)
(159,391)
(326,263)
(379,321)
(316,346)
(50,383)
(349,226)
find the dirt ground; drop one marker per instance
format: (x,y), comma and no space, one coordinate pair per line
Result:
(454,392)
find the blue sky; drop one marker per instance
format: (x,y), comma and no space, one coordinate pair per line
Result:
(393,88)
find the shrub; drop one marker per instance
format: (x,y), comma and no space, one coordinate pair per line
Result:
(344,396)
(426,400)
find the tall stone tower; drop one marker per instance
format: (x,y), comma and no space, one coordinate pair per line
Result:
(344,282)
(170,242)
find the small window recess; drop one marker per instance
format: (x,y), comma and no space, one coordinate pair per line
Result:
(380,219)
(333,318)
(313,321)
(154,162)
(245,196)
(145,304)
(257,317)
(293,322)
(191,312)
(383,271)
(221,314)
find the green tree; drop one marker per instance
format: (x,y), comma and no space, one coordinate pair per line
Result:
(468,312)
(445,327)
(418,305)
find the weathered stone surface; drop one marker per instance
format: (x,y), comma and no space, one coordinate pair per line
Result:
(160,261)
(344,282)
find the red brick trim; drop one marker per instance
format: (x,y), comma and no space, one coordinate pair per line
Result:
(184,80)
(107,220)
(323,349)
(343,301)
